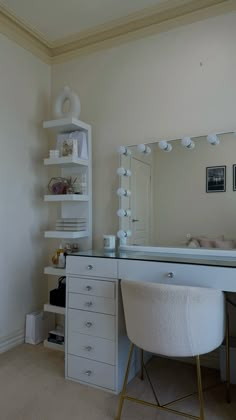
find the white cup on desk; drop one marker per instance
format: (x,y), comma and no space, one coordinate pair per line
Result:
(109,242)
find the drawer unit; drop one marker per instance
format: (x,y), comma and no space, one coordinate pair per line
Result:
(90,347)
(93,267)
(220,278)
(88,286)
(97,325)
(92,303)
(92,372)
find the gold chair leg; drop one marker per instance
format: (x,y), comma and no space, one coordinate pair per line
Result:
(142,366)
(199,383)
(228,396)
(121,402)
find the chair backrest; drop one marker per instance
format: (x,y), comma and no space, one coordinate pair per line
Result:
(175,321)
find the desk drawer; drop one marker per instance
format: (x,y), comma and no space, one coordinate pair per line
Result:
(91,287)
(90,347)
(97,325)
(221,278)
(92,303)
(93,267)
(96,373)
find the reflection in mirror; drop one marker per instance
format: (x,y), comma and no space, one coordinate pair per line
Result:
(185,197)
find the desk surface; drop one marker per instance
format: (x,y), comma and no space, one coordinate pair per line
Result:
(160,257)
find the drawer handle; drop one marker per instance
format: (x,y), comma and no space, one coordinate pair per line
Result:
(88,372)
(88,324)
(90,267)
(88,348)
(170,275)
(88,304)
(88,288)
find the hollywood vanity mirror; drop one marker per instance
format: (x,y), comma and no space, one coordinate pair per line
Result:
(173,191)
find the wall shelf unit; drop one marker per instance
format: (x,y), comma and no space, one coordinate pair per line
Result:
(54,309)
(72,211)
(66,161)
(66,197)
(53,271)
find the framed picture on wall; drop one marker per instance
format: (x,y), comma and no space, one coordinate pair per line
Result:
(234,177)
(215,179)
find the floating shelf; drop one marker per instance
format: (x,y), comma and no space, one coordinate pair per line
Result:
(54,346)
(66,161)
(53,271)
(66,197)
(54,309)
(65,234)
(66,125)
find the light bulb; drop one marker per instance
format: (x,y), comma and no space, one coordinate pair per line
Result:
(123,193)
(213,139)
(188,143)
(122,150)
(163,145)
(122,234)
(123,172)
(143,148)
(123,213)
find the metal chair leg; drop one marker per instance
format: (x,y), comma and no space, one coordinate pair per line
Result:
(228,396)
(200,393)
(121,402)
(142,365)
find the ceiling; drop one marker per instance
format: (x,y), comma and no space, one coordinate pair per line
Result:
(58,30)
(56,19)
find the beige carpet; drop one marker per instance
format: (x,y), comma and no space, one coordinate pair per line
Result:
(33,388)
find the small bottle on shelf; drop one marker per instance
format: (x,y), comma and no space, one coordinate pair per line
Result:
(83,183)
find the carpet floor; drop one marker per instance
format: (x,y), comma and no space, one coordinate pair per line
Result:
(33,388)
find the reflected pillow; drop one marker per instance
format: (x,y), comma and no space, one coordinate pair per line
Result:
(227,244)
(193,244)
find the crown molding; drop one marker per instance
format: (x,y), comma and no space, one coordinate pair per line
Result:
(25,36)
(147,22)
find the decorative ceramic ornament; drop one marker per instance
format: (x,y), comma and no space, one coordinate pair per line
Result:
(67,94)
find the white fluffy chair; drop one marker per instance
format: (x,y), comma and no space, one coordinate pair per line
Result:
(174,321)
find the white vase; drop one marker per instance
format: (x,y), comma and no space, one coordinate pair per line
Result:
(67,94)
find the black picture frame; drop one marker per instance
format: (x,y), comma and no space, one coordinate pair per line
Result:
(216,179)
(234,177)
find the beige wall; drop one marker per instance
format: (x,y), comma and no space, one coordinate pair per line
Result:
(181,203)
(24,97)
(169,85)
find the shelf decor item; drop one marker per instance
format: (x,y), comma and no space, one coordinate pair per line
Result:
(73,144)
(67,95)
(60,185)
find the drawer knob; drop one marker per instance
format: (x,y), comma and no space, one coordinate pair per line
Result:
(170,275)
(90,267)
(88,304)
(88,324)
(88,348)
(88,288)
(88,372)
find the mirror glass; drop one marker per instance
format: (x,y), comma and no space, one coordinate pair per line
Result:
(185,197)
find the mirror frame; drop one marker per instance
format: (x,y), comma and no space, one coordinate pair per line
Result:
(180,251)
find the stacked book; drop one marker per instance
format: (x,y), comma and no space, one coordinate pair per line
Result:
(72,225)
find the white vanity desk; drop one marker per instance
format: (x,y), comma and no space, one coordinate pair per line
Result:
(96,342)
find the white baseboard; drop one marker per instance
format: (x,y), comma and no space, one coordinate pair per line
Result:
(12,340)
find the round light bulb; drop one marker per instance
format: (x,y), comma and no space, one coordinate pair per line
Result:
(213,139)
(143,148)
(122,150)
(123,213)
(188,143)
(122,234)
(123,193)
(163,145)
(123,172)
